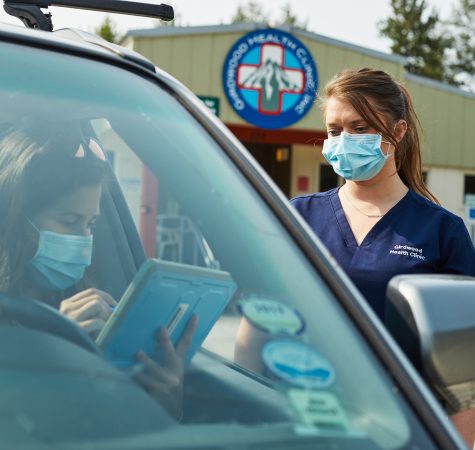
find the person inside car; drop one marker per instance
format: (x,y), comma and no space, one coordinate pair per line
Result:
(50,201)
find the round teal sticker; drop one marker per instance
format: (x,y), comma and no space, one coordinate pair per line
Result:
(298,364)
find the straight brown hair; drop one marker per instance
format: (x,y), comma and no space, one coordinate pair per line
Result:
(382,102)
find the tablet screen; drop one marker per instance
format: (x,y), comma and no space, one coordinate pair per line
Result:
(164,294)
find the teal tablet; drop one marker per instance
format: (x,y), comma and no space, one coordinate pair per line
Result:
(164,294)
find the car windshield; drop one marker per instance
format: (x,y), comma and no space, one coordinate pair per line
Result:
(283,366)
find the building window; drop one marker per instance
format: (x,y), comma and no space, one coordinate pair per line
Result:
(469,185)
(424,177)
(328,178)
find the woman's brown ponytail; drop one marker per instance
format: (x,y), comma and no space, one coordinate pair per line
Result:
(408,155)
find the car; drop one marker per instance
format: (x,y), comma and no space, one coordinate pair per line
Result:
(322,372)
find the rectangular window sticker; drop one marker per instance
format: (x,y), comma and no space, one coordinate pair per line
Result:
(318,408)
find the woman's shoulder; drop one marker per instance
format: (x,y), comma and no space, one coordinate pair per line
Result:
(303,202)
(457,252)
(426,208)
(441,220)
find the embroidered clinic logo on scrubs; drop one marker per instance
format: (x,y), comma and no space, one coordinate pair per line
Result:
(270,78)
(406,250)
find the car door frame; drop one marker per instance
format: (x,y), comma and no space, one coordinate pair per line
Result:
(414,390)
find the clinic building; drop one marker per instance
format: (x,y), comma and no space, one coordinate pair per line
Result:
(261,83)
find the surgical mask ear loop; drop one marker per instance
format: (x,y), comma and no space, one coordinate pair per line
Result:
(32,224)
(35,240)
(387,154)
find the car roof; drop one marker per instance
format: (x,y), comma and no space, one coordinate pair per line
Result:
(72,39)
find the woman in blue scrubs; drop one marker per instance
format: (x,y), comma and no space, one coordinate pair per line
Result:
(383,221)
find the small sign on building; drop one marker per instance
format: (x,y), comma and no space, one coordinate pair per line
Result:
(211,102)
(470,208)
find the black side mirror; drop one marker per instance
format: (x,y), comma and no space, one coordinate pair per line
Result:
(432,317)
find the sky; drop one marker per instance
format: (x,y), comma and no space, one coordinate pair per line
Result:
(348,20)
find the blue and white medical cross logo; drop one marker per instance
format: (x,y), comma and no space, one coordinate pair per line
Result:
(270,78)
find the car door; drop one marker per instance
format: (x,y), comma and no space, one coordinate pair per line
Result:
(296,360)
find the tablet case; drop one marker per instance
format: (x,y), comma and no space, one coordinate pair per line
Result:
(164,293)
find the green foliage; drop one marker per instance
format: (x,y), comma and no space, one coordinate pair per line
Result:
(107,30)
(417,34)
(288,17)
(462,26)
(253,12)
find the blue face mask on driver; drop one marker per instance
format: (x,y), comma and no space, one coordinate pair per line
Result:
(355,157)
(61,259)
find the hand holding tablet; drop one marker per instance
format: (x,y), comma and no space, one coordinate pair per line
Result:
(164,382)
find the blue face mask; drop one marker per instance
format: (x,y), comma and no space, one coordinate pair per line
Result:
(60,260)
(355,156)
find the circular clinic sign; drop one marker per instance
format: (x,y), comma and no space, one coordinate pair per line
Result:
(270,78)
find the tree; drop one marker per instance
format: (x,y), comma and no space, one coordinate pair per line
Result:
(107,30)
(462,26)
(252,12)
(417,34)
(288,17)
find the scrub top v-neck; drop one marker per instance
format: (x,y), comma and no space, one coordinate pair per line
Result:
(373,233)
(415,236)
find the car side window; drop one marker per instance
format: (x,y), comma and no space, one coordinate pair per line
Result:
(284,343)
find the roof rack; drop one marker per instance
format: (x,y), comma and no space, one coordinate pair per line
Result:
(30,13)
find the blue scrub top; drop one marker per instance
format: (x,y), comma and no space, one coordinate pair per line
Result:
(415,236)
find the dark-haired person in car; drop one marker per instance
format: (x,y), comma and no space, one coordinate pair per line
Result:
(50,198)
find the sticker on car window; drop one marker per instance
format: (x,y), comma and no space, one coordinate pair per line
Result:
(271,316)
(298,364)
(318,408)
